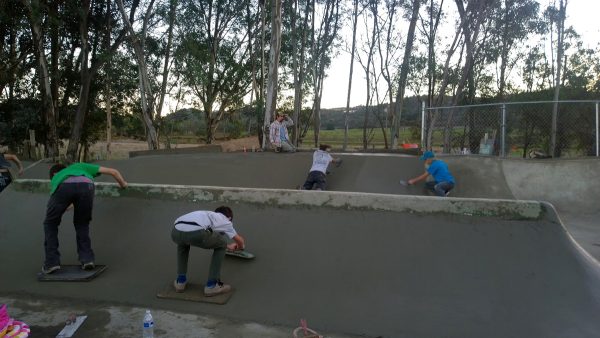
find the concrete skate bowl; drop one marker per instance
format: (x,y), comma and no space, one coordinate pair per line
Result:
(371,264)
(370,173)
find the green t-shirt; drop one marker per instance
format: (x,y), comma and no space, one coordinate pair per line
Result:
(78,169)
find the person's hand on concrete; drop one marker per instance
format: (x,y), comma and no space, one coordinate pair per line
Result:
(232,247)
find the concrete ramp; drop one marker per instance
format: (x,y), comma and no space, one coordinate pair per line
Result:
(404,272)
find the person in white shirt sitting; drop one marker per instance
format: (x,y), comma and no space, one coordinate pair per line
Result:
(278,134)
(206,230)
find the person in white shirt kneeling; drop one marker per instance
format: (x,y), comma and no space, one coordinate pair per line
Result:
(318,171)
(206,230)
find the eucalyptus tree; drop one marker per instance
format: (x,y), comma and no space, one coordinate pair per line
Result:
(473,19)
(213,56)
(534,69)
(16,51)
(404,69)
(514,22)
(473,16)
(299,60)
(15,46)
(388,59)
(274,54)
(92,57)
(321,53)
(138,43)
(354,20)
(35,13)
(557,16)
(365,58)
(429,29)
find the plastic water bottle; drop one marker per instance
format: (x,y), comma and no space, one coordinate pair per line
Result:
(148,330)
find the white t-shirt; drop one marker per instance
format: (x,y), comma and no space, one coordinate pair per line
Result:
(202,220)
(321,160)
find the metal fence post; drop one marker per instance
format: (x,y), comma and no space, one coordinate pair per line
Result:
(597,136)
(423,124)
(503,130)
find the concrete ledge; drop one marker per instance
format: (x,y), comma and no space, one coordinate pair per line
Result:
(506,209)
(209,148)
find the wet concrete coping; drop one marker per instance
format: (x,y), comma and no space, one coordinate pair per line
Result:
(427,205)
(210,148)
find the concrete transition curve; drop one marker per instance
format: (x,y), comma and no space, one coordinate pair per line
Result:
(363,259)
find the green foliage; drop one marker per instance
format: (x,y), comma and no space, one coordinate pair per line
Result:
(17,117)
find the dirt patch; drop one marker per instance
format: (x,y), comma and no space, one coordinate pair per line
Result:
(121,148)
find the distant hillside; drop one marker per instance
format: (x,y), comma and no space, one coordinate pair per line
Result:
(335,117)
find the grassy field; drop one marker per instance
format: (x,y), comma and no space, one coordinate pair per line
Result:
(335,138)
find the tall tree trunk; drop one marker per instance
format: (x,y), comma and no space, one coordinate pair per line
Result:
(368,75)
(347,112)
(264,129)
(504,53)
(87,74)
(146,95)
(397,108)
(54,53)
(85,78)
(385,69)
(560,30)
(431,59)
(271,99)
(298,95)
(431,121)
(165,73)
(33,12)
(471,25)
(107,93)
(327,33)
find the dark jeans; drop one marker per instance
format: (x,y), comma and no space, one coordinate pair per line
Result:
(440,189)
(315,178)
(81,195)
(5,180)
(204,239)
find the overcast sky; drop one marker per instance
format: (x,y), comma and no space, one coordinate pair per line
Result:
(583,15)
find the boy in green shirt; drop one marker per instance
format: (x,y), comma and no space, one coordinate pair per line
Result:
(72,185)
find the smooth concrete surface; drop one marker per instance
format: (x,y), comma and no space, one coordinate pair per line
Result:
(373,273)
(355,271)
(570,185)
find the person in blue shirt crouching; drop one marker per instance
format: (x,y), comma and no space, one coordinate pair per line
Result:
(443,181)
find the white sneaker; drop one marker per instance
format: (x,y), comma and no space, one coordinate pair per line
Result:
(179,287)
(217,289)
(50,270)
(88,266)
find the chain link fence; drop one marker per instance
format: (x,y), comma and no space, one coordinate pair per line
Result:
(516,129)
